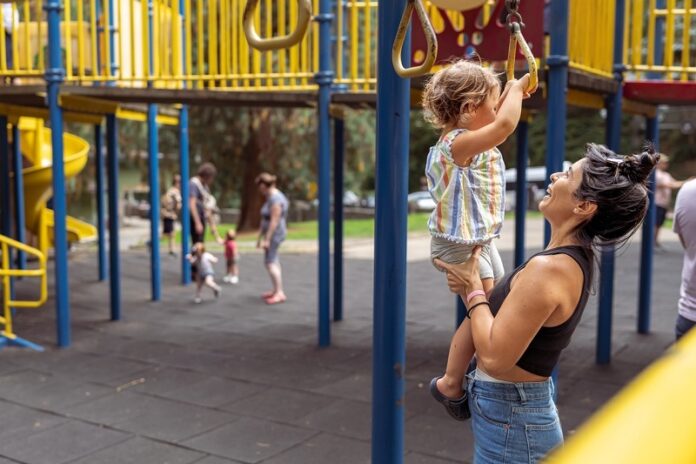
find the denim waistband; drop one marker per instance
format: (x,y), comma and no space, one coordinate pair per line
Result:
(522,391)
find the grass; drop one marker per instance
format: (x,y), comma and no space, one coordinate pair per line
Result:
(352,228)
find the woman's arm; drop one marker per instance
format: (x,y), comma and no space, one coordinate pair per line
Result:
(546,284)
(470,143)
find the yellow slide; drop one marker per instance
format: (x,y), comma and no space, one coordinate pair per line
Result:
(35,143)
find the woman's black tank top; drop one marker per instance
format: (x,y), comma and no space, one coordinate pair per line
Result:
(543,352)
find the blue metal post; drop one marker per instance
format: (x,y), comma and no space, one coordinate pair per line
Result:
(114,263)
(112,38)
(606,282)
(54,77)
(521,190)
(19,196)
(558,83)
(101,227)
(153,150)
(184,167)
(184,172)
(646,252)
(659,54)
(324,79)
(5,194)
(339,154)
(389,332)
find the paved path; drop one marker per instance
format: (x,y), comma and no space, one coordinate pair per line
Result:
(236,381)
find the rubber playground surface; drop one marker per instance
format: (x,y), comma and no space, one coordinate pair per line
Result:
(236,381)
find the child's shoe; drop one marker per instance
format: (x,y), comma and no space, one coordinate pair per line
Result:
(226,279)
(197,300)
(216,291)
(234,279)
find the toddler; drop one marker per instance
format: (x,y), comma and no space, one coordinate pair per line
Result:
(466,178)
(232,257)
(204,262)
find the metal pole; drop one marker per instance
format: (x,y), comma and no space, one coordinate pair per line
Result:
(5,194)
(184,166)
(606,282)
(101,227)
(19,196)
(112,39)
(339,155)
(54,77)
(521,190)
(153,142)
(324,79)
(389,337)
(646,250)
(114,263)
(185,213)
(558,83)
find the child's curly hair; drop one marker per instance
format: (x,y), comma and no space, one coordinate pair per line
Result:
(455,90)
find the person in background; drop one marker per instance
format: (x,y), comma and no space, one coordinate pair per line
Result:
(685,227)
(199,193)
(8,20)
(664,183)
(272,233)
(232,257)
(171,205)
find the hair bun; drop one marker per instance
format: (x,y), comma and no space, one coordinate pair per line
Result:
(638,167)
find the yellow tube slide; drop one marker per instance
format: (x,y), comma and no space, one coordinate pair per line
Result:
(35,143)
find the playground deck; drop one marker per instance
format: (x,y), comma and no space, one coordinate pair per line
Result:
(236,381)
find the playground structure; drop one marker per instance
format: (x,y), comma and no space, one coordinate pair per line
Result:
(195,52)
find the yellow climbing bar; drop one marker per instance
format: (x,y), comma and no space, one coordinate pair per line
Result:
(517,39)
(430,40)
(589,47)
(276,43)
(649,421)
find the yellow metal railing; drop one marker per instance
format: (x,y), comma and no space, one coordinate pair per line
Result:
(7,272)
(591,36)
(649,421)
(216,53)
(659,39)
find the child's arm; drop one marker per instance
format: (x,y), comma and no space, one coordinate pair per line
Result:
(212,257)
(468,144)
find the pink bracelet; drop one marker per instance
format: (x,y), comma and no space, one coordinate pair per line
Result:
(473,295)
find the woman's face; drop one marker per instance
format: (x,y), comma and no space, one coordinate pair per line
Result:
(560,201)
(263,189)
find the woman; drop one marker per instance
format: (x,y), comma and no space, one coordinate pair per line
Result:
(273,230)
(199,200)
(171,205)
(518,333)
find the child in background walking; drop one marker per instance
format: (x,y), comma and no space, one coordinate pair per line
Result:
(204,262)
(232,256)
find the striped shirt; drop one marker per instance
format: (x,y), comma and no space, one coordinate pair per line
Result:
(470,200)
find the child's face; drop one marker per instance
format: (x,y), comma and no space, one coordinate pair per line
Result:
(485,114)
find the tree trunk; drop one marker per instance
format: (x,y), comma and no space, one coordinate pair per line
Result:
(258,145)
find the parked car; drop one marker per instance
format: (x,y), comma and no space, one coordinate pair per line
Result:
(368,201)
(350,199)
(536,186)
(420,202)
(136,202)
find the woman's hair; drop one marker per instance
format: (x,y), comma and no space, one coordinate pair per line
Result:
(230,235)
(207,171)
(269,180)
(618,186)
(456,90)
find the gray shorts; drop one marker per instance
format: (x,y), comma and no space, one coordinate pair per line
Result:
(271,253)
(490,264)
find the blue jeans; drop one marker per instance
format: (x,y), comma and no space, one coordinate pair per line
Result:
(683,326)
(513,422)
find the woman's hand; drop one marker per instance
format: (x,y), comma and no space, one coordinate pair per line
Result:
(265,243)
(463,278)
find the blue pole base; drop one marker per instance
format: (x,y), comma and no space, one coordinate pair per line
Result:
(20,342)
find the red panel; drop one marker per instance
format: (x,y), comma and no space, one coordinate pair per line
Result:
(491,40)
(661,92)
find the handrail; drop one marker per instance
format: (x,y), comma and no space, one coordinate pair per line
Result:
(430,40)
(276,43)
(651,420)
